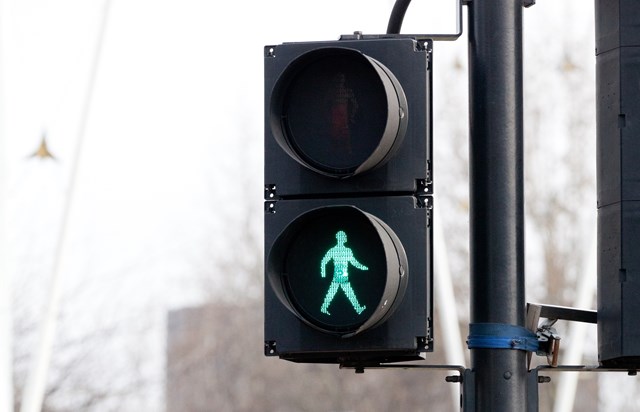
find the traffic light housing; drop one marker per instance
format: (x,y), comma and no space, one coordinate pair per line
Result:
(618,182)
(348,204)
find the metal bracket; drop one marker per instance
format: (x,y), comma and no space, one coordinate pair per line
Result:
(561,312)
(525,3)
(548,338)
(549,342)
(461,369)
(586,368)
(436,36)
(465,377)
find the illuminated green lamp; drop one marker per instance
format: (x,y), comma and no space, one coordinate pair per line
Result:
(339,269)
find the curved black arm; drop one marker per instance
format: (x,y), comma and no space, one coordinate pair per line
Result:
(397,15)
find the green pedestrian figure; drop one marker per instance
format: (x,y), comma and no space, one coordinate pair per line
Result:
(342,256)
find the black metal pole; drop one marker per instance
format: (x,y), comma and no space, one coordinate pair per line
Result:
(496,195)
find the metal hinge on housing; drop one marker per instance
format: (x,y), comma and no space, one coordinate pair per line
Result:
(429,330)
(270,348)
(270,206)
(425,202)
(271,197)
(423,342)
(270,192)
(424,187)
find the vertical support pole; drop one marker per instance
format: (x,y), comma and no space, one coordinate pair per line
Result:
(454,351)
(496,196)
(35,387)
(6,288)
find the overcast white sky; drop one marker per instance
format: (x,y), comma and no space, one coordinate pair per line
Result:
(178,95)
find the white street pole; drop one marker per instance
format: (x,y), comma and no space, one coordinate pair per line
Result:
(33,395)
(6,289)
(568,382)
(446,304)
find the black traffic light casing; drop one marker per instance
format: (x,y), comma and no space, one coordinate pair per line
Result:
(408,170)
(618,181)
(348,186)
(401,336)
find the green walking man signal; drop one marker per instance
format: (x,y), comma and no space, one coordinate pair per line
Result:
(342,256)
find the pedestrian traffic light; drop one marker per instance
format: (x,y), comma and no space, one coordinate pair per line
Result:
(353,252)
(348,204)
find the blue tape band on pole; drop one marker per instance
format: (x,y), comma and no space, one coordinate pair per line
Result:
(501,336)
